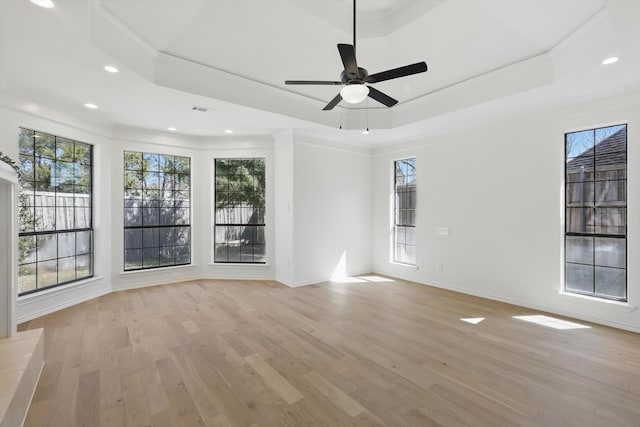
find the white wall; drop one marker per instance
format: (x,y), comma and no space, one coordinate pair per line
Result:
(500,193)
(332,212)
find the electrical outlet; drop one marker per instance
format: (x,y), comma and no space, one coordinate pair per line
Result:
(442,231)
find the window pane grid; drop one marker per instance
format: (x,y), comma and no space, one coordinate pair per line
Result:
(239,211)
(55,243)
(404,250)
(596,212)
(157,210)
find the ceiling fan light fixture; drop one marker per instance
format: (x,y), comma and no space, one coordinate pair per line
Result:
(48,4)
(354,93)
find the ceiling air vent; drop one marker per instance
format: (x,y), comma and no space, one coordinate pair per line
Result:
(201,109)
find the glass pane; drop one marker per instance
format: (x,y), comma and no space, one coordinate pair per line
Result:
(580,220)
(82,153)
(614,163)
(83,266)
(132,179)
(83,217)
(66,269)
(83,242)
(132,161)
(27,167)
(611,193)
(580,194)
(132,259)
(411,235)
(166,255)
(47,247)
(183,165)
(150,162)
(66,245)
(132,216)
(151,257)
(400,235)
(167,236)
(47,273)
(183,236)
(45,145)
(579,249)
(610,138)
(151,216)
(64,150)
(611,221)
(26,249)
(611,252)
(26,278)
(611,282)
(25,140)
(167,216)
(182,216)
(410,252)
(133,238)
(579,278)
(578,143)
(182,254)
(221,253)
(150,237)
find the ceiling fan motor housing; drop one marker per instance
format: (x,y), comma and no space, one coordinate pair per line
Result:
(350,78)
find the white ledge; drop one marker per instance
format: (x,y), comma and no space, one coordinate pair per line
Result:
(62,289)
(238,265)
(617,305)
(157,269)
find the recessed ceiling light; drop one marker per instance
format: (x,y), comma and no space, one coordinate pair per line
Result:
(91,106)
(228,131)
(110,69)
(611,60)
(172,129)
(43,3)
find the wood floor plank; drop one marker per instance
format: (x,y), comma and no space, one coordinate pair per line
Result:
(337,396)
(276,381)
(387,353)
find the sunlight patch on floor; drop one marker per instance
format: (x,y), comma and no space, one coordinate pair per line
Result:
(551,322)
(473,320)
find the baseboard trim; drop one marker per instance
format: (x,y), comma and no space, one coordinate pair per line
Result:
(566,313)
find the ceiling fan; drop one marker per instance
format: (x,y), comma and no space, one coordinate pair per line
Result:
(357,80)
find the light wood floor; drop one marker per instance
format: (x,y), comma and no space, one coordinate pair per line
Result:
(240,353)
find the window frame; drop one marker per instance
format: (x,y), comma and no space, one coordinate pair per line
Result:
(394,212)
(215,224)
(56,166)
(595,235)
(158,226)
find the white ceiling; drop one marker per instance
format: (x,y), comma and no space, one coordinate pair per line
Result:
(234,55)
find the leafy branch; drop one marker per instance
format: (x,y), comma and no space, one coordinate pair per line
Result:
(8,160)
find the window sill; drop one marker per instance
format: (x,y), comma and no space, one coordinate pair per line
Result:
(617,305)
(156,270)
(61,289)
(239,265)
(401,264)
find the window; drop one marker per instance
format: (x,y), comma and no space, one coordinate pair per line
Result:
(157,210)
(596,212)
(239,211)
(55,241)
(404,230)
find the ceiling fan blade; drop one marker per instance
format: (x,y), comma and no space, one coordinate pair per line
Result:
(348,55)
(311,82)
(335,101)
(381,97)
(407,70)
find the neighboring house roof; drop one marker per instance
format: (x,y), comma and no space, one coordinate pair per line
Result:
(610,151)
